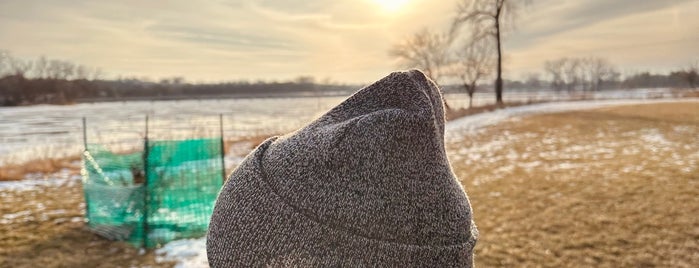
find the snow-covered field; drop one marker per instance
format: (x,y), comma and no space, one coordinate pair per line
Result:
(51,131)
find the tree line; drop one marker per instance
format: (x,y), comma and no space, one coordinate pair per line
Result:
(471,51)
(52,81)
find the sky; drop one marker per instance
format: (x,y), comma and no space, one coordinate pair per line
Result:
(340,40)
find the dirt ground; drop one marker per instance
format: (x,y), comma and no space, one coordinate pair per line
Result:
(608,187)
(612,187)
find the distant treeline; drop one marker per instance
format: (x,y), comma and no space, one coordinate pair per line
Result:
(676,79)
(17,90)
(27,82)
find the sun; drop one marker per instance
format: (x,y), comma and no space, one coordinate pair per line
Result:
(391,5)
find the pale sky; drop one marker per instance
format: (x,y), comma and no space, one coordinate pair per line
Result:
(346,40)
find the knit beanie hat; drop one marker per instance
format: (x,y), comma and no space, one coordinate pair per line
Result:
(366,184)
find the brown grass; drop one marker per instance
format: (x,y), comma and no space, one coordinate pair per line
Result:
(14,172)
(613,187)
(45,232)
(687,93)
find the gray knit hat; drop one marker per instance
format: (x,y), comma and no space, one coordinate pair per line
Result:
(366,184)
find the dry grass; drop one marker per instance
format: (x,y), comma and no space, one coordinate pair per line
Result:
(613,187)
(14,172)
(686,93)
(43,227)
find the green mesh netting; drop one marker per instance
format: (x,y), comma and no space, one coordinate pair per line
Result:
(114,200)
(167,197)
(183,180)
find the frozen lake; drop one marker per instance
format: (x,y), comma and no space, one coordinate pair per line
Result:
(55,131)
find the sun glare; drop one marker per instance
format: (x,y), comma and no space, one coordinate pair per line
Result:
(391,5)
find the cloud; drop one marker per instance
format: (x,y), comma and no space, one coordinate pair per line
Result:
(347,40)
(547,18)
(631,39)
(221,37)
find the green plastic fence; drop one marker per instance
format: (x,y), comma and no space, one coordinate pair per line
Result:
(168,196)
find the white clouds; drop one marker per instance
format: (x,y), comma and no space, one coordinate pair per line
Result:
(643,39)
(346,40)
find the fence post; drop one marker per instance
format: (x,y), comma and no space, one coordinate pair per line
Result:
(145,187)
(223,151)
(84,133)
(87,204)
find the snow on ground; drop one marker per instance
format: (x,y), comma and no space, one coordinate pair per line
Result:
(35,184)
(188,253)
(34,181)
(555,153)
(237,152)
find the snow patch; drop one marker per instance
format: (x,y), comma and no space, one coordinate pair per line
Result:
(189,253)
(36,181)
(654,137)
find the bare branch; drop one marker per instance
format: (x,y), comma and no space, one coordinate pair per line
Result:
(19,67)
(487,18)
(471,64)
(424,50)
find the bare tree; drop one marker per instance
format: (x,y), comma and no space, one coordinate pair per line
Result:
(81,72)
(178,80)
(424,50)
(487,19)
(305,79)
(580,73)
(571,69)
(19,67)
(593,71)
(95,74)
(533,81)
(41,66)
(67,69)
(58,69)
(53,70)
(4,58)
(473,63)
(554,69)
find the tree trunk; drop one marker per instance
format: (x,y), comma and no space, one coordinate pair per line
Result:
(470,100)
(498,80)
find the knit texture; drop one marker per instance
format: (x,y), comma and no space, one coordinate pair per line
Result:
(366,184)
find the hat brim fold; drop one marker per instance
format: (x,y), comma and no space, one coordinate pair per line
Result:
(253,226)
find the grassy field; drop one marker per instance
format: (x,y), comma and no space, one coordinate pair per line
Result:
(608,187)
